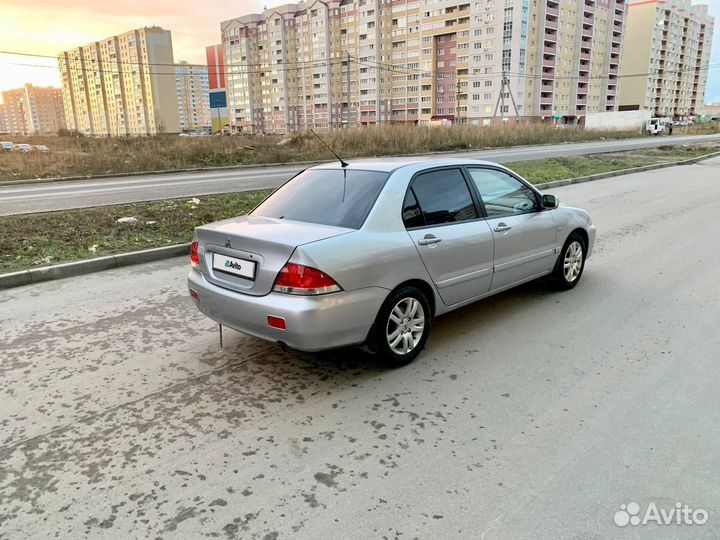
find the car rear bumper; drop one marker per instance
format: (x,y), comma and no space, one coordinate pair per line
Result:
(313,323)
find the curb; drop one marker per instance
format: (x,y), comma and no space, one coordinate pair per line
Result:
(623,172)
(301,163)
(77,268)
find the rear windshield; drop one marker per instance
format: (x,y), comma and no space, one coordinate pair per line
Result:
(326,196)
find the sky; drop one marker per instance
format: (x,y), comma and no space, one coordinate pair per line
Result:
(52,26)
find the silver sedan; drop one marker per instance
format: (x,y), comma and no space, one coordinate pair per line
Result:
(368,253)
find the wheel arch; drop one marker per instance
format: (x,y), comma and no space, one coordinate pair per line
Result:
(424,286)
(582,233)
(418,283)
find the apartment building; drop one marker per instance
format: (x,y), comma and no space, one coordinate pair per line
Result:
(4,128)
(666,69)
(32,110)
(218,95)
(122,85)
(334,63)
(193,97)
(574,56)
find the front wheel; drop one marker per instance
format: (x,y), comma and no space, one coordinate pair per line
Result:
(571,263)
(402,326)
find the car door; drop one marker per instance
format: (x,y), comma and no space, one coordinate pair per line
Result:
(452,238)
(525,233)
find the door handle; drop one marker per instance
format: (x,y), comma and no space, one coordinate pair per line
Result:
(429,240)
(502,227)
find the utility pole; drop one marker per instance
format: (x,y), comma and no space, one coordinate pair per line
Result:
(502,98)
(347,77)
(505,83)
(457,101)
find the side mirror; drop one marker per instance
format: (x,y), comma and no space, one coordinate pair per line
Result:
(550,201)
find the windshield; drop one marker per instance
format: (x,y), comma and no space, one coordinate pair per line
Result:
(338,197)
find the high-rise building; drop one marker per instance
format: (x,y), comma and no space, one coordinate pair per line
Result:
(573,57)
(4,127)
(666,68)
(218,96)
(193,99)
(328,64)
(122,85)
(33,110)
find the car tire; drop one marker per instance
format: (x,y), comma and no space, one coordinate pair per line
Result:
(402,326)
(571,262)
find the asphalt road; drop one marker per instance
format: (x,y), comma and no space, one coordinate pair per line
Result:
(533,415)
(26,198)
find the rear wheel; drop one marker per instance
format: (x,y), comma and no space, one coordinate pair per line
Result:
(571,262)
(402,326)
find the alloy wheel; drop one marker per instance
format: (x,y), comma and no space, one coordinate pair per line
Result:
(572,264)
(405,326)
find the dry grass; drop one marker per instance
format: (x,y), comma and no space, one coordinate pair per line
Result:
(90,156)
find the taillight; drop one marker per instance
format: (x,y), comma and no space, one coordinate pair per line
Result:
(194,257)
(300,279)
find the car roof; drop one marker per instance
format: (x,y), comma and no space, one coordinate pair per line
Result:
(393,164)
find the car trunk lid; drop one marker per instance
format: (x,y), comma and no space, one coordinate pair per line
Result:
(260,245)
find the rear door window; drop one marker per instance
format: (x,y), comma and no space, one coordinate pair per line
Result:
(443,197)
(338,197)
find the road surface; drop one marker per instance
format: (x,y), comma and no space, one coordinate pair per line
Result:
(44,197)
(533,415)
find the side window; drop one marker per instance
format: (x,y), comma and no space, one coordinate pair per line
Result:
(502,194)
(412,216)
(443,197)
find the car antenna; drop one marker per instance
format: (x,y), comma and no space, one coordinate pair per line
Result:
(343,163)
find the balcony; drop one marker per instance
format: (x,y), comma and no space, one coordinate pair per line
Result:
(550,35)
(546,87)
(546,100)
(585,56)
(586,32)
(617,27)
(581,101)
(615,49)
(613,71)
(584,68)
(584,78)
(549,49)
(588,20)
(551,25)
(548,63)
(552,10)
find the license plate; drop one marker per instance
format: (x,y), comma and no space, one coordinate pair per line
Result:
(234,266)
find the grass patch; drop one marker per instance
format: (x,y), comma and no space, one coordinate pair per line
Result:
(31,240)
(87,156)
(547,170)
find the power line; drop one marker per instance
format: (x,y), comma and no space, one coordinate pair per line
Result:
(309,64)
(126,62)
(271,68)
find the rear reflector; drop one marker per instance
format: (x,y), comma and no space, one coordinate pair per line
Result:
(276,322)
(301,279)
(194,257)
(194,294)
